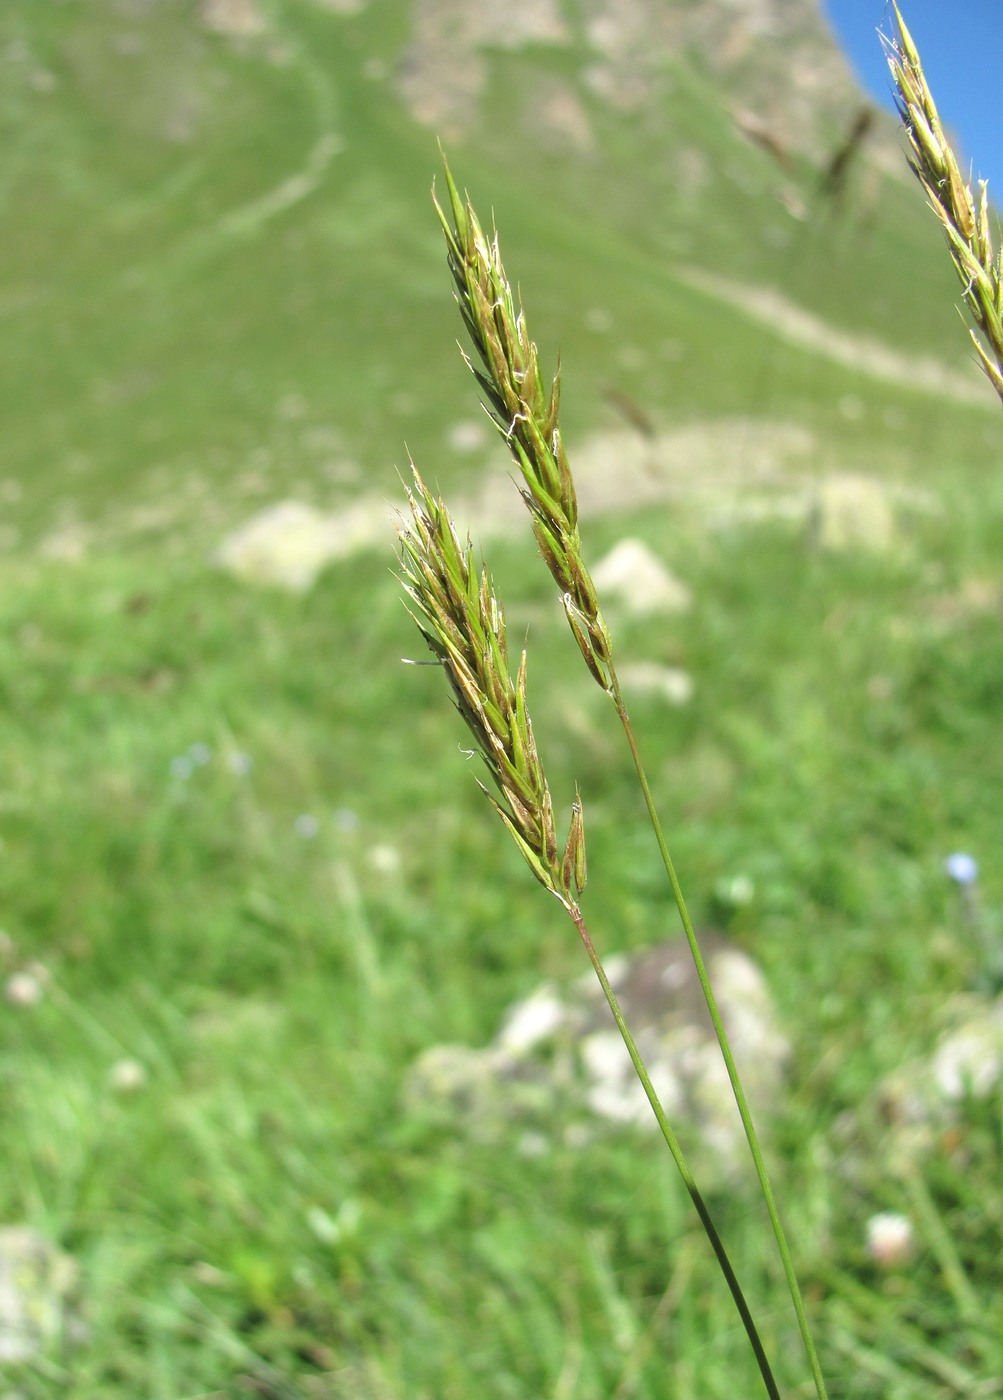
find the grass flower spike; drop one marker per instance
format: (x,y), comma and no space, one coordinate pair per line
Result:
(525,413)
(463,623)
(966,226)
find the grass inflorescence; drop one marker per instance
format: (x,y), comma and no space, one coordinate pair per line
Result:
(525,412)
(463,623)
(468,644)
(965,220)
(245,879)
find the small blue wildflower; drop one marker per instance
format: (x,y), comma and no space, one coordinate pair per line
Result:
(181,767)
(962,868)
(200,754)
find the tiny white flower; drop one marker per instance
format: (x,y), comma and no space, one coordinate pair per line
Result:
(181,767)
(200,754)
(23,989)
(306,826)
(889,1239)
(239,763)
(735,890)
(330,1229)
(384,859)
(533,1145)
(323,1225)
(127,1076)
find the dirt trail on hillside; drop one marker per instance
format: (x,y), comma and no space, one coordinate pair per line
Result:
(799,327)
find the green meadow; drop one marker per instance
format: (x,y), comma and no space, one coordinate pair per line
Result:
(242,854)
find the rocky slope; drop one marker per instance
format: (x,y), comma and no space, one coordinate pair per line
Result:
(777,62)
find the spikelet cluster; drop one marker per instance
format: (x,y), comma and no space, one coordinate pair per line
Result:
(525,412)
(463,623)
(966,225)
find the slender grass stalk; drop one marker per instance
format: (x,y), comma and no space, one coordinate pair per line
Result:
(943,1248)
(526,414)
(966,227)
(463,623)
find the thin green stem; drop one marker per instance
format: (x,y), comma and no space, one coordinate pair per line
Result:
(528,420)
(733,1075)
(941,1244)
(700,1205)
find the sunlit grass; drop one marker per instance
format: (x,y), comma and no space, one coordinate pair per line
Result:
(229,857)
(257,1199)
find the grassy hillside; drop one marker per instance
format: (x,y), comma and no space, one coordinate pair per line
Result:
(241,849)
(220,266)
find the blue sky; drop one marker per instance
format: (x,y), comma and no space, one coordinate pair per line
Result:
(961,45)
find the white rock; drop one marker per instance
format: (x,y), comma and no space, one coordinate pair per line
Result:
(639,581)
(970,1059)
(469,435)
(35,1280)
(531,1021)
(290,543)
(614,1091)
(559,1066)
(913,1104)
(69,542)
(240,18)
(666,682)
(852,513)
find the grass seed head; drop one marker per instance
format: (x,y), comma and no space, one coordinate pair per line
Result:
(526,414)
(463,623)
(965,226)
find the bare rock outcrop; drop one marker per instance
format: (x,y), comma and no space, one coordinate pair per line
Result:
(776,58)
(557,1071)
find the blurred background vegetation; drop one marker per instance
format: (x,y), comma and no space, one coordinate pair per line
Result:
(245,876)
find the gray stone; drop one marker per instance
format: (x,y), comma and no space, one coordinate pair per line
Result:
(469,435)
(967,1060)
(444,70)
(639,581)
(852,513)
(558,1062)
(920,1100)
(668,683)
(238,18)
(36,1281)
(290,543)
(777,57)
